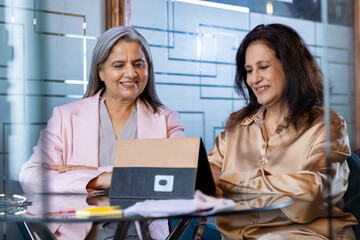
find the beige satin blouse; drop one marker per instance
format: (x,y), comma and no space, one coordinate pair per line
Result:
(290,162)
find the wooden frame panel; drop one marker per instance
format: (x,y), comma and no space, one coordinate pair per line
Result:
(117,13)
(357,70)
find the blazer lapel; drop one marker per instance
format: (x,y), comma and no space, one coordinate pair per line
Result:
(86,133)
(86,129)
(150,125)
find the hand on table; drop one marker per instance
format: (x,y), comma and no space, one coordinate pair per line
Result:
(67,168)
(218,192)
(100,182)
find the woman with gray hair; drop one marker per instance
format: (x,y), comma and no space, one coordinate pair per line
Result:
(76,150)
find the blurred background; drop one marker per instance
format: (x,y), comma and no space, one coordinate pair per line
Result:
(46,48)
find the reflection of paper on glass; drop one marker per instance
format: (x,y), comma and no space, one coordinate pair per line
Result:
(200,204)
(49,204)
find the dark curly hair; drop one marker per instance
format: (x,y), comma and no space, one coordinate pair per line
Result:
(303,77)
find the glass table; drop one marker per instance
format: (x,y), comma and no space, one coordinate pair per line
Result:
(40,209)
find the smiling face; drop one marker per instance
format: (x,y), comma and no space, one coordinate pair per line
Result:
(125,72)
(265,74)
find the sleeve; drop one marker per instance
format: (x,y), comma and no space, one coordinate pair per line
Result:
(216,155)
(174,127)
(35,178)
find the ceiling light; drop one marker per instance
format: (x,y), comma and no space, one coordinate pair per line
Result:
(216,5)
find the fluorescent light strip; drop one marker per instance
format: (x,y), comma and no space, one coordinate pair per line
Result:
(216,5)
(74,81)
(79,36)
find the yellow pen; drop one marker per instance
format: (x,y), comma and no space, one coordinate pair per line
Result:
(99,212)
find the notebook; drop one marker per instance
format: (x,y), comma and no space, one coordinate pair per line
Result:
(160,168)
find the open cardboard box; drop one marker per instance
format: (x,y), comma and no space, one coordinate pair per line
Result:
(160,168)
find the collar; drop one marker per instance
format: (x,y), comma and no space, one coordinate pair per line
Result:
(102,99)
(259,118)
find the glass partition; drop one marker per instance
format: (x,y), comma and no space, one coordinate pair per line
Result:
(194,45)
(46,47)
(45,53)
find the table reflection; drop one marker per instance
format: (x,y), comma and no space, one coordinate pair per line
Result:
(302,219)
(51,207)
(59,207)
(255,216)
(57,210)
(258,202)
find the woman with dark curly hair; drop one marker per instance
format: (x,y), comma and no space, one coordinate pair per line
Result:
(277,144)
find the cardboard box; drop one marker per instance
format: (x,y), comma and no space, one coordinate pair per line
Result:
(160,168)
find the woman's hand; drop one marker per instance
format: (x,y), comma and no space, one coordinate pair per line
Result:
(218,192)
(100,182)
(67,168)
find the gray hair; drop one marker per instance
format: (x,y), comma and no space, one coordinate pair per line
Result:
(102,51)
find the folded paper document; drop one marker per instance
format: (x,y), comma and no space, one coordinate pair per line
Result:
(201,204)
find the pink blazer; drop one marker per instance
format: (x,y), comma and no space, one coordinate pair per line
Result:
(72,138)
